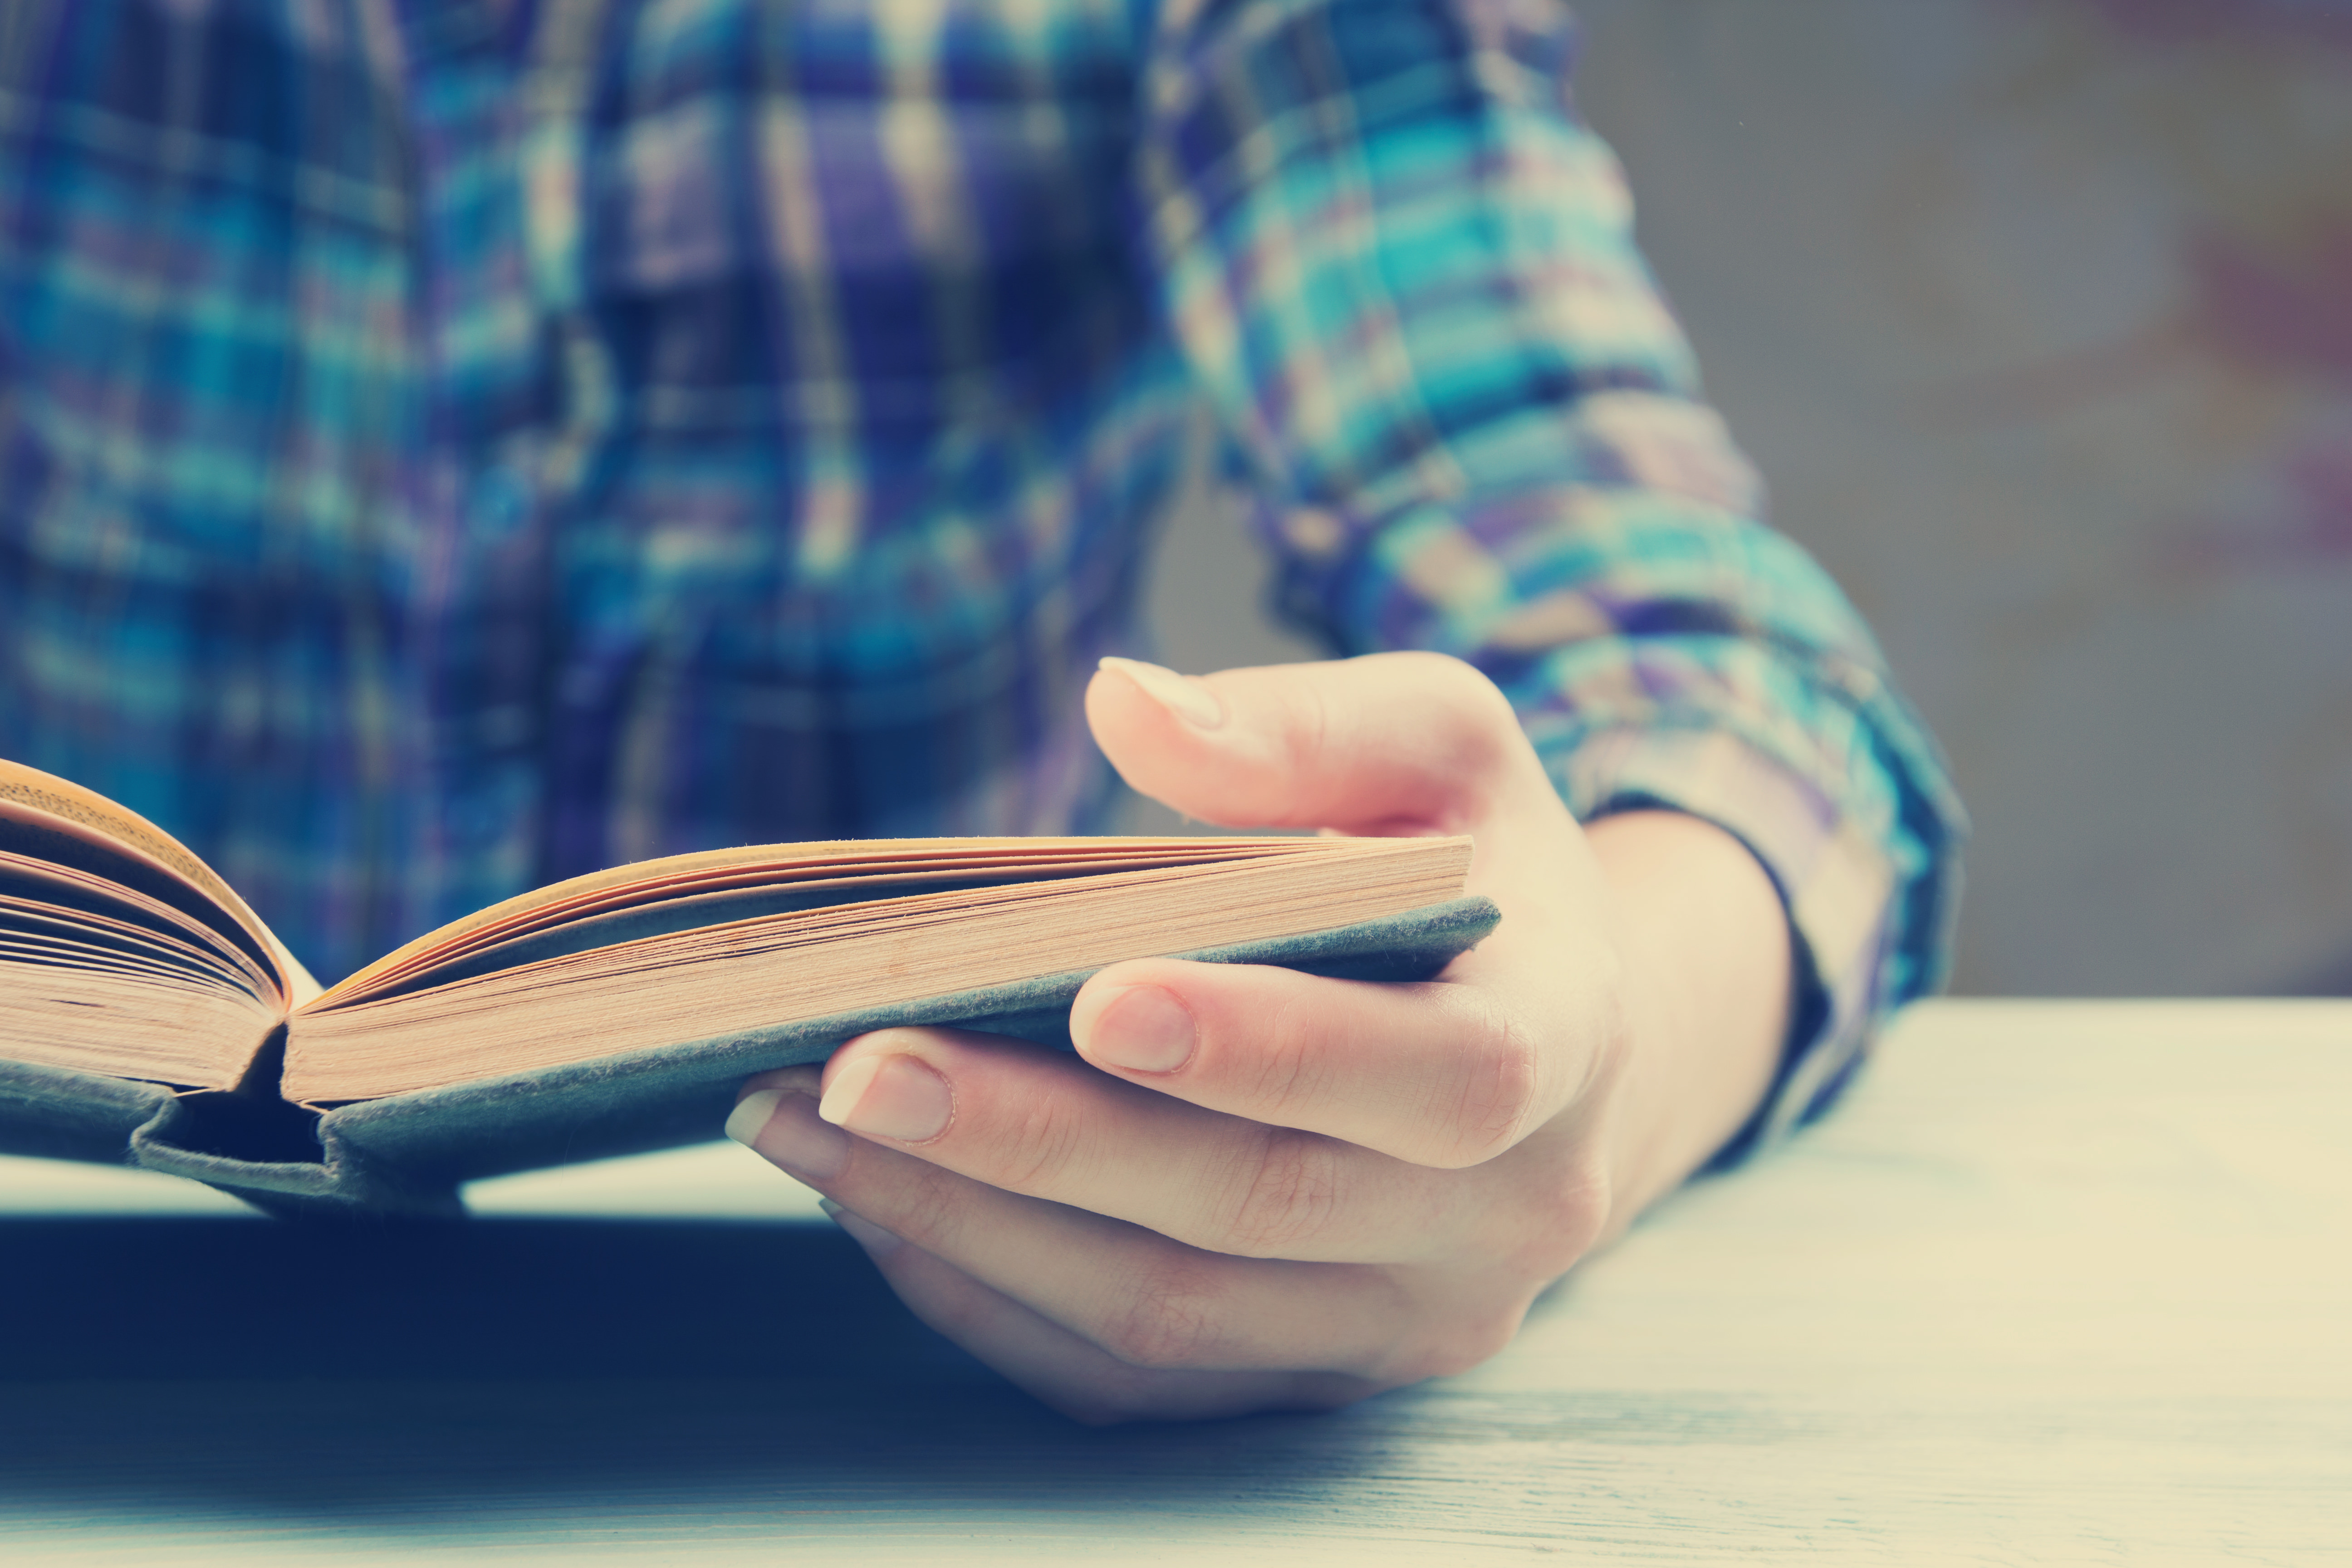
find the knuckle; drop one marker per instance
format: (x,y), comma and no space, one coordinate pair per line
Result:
(1545,1247)
(1562,1215)
(1465,693)
(925,1206)
(1496,1094)
(1307,725)
(1286,1197)
(1043,1147)
(1287,1064)
(1455,1333)
(1582,1199)
(1462,1343)
(1165,1323)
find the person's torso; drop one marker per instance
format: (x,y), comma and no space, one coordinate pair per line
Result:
(444,447)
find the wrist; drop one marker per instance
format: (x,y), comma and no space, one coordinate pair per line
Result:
(1706,982)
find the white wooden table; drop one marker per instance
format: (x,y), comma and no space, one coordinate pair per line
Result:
(2062,1283)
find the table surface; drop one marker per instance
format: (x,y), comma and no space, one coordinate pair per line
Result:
(2063,1282)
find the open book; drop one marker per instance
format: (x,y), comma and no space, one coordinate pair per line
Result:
(145,1012)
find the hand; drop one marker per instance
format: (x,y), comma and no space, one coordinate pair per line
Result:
(1258,1189)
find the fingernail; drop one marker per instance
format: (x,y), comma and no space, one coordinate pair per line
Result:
(784,1128)
(896,1095)
(1187,698)
(1144,1028)
(750,1114)
(878,1243)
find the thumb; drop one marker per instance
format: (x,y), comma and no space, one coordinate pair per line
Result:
(1388,743)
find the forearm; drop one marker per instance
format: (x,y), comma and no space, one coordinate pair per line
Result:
(1707,954)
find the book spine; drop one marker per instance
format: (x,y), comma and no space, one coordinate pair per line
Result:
(276,1157)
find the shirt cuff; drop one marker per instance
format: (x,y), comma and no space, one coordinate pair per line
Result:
(1837,881)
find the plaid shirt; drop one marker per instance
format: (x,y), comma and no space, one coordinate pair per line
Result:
(447,447)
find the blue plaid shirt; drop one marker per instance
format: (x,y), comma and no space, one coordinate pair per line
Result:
(447,447)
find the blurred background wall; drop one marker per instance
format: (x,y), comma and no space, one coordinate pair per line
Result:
(2037,315)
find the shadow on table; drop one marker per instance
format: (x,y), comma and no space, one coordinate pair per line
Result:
(183,1298)
(156,1364)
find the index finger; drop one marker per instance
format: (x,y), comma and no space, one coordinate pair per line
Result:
(1442,1073)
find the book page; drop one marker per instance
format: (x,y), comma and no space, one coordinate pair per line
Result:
(774,969)
(115,963)
(35,802)
(854,870)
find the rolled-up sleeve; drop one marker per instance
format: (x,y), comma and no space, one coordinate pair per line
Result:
(1404,273)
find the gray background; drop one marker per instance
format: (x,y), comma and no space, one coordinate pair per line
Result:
(1935,256)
